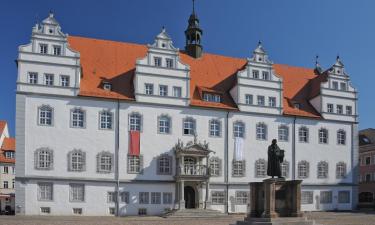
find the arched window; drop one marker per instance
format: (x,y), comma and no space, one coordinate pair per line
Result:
(322,170)
(104,162)
(164,124)
(215,128)
(188,126)
(283,133)
(285,169)
(105,118)
(43,159)
(77,118)
(135,121)
(261,131)
(45,115)
(323,136)
(239,129)
(341,137)
(303,134)
(238,168)
(215,166)
(164,165)
(303,169)
(77,160)
(260,168)
(340,170)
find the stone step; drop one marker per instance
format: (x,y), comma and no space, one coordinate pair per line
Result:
(194,213)
(277,221)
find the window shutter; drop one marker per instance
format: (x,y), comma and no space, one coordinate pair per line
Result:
(128,162)
(69,161)
(170,159)
(232,168)
(244,168)
(141,164)
(220,165)
(84,161)
(112,163)
(98,163)
(51,164)
(307,169)
(36,159)
(157,165)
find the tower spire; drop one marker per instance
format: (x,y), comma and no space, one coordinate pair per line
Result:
(193,6)
(193,35)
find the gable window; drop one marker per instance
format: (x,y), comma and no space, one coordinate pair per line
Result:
(164,165)
(217,197)
(215,128)
(335,85)
(348,110)
(163,90)
(177,92)
(303,169)
(64,80)
(261,131)
(77,160)
(238,129)
(144,198)
(149,89)
(157,61)
(256,74)
(215,166)
(104,162)
(260,100)
(238,168)
(135,163)
(249,99)
(43,159)
(105,118)
(48,79)
(341,137)
(45,115)
(78,118)
(43,48)
(330,108)
(283,132)
(56,50)
(271,101)
(303,134)
(265,75)
(33,78)
(260,168)
(325,197)
(189,126)
(343,86)
(169,62)
(164,123)
(45,191)
(322,170)
(77,192)
(339,109)
(242,197)
(340,170)
(323,136)
(284,168)
(135,121)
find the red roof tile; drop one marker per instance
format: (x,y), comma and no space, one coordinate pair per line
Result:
(9,144)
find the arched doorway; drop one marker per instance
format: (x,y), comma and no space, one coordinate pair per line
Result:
(189,197)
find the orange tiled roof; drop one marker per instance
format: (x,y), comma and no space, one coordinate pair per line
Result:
(115,62)
(9,144)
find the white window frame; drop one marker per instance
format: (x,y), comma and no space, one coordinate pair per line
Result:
(164,165)
(64,80)
(188,125)
(177,92)
(105,120)
(144,198)
(45,191)
(340,170)
(45,115)
(78,118)
(303,135)
(322,170)
(272,102)
(261,100)
(76,192)
(323,136)
(307,197)
(149,89)
(325,197)
(249,99)
(242,197)
(77,160)
(49,79)
(124,197)
(57,50)
(163,90)
(215,128)
(260,168)
(43,159)
(169,63)
(303,169)
(215,166)
(164,124)
(167,197)
(265,75)
(217,197)
(135,164)
(339,109)
(156,198)
(349,110)
(32,78)
(255,74)
(104,162)
(330,107)
(157,61)
(261,131)
(284,166)
(283,133)
(43,48)
(238,168)
(341,137)
(135,121)
(238,129)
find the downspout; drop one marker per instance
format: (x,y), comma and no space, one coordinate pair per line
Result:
(226,164)
(294,149)
(117,150)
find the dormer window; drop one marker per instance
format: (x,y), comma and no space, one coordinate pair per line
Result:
(56,50)
(297,105)
(107,86)
(169,63)
(43,48)
(211,97)
(157,61)
(9,155)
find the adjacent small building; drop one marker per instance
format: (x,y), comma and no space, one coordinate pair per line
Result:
(366,168)
(7,170)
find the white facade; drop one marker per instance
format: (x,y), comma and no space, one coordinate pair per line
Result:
(47,188)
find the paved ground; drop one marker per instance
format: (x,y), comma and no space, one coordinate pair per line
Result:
(326,218)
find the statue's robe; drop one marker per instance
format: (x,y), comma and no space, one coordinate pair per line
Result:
(274,159)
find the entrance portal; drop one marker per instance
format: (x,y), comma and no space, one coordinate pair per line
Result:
(189,197)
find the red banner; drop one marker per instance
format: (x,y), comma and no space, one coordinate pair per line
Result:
(134,143)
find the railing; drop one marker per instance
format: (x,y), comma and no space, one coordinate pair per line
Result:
(193,170)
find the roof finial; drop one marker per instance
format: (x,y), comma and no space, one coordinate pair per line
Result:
(338,57)
(50,13)
(317,60)
(193,6)
(163,28)
(259,43)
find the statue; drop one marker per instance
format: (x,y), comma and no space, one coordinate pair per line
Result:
(275,157)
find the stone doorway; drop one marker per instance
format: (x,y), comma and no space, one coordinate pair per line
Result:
(189,197)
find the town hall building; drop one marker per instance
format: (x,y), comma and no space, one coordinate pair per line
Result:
(117,128)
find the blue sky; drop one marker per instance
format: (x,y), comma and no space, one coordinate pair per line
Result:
(292,31)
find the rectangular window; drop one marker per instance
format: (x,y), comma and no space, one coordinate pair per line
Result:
(105,120)
(349,110)
(238,168)
(307,197)
(48,79)
(164,123)
(77,192)
(339,109)
(283,132)
(164,165)
(343,86)
(45,210)
(261,100)
(163,90)
(5,170)
(5,185)
(77,211)
(33,78)
(111,197)
(189,126)
(177,92)
(330,108)
(157,61)
(56,50)
(43,48)
(167,198)
(215,128)
(325,197)
(142,211)
(155,198)
(215,165)
(124,196)
(344,197)
(78,118)
(242,197)
(64,80)
(134,164)
(169,62)
(335,85)
(217,197)
(149,89)
(256,74)
(271,101)
(249,99)
(265,75)
(211,97)
(45,192)
(144,198)
(111,211)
